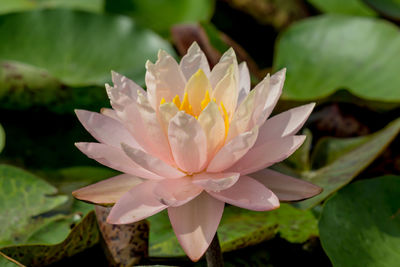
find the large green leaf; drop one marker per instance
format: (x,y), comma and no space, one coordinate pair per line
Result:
(389,8)
(344,160)
(23,196)
(349,7)
(83,235)
(360,225)
(8,6)
(160,15)
(6,261)
(239,228)
(331,52)
(78,48)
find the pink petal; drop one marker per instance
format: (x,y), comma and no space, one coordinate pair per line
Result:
(286,187)
(164,79)
(151,164)
(166,112)
(221,68)
(275,90)
(233,151)
(110,113)
(244,81)
(105,129)
(114,158)
(156,140)
(107,191)
(213,126)
(226,91)
(135,205)
(193,61)
(123,92)
(267,154)
(249,194)
(176,192)
(216,181)
(196,223)
(284,124)
(242,120)
(188,142)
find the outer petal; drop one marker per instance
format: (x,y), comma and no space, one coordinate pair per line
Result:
(176,192)
(233,151)
(216,181)
(105,129)
(213,125)
(267,154)
(151,164)
(249,194)
(226,91)
(286,187)
(284,124)
(244,81)
(275,91)
(135,205)
(156,140)
(109,112)
(107,191)
(164,79)
(196,88)
(196,223)
(188,142)
(114,158)
(193,61)
(123,92)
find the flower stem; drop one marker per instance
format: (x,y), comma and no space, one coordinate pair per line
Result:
(214,254)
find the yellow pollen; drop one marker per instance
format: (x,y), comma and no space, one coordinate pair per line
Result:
(162,101)
(176,101)
(226,119)
(205,101)
(185,106)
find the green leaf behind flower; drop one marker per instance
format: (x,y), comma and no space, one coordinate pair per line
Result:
(388,8)
(360,225)
(347,7)
(330,52)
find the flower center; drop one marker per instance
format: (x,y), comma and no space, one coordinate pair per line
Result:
(185,106)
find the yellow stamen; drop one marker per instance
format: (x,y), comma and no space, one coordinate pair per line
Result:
(162,101)
(226,119)
(205,101)
(176,101)
(185,106)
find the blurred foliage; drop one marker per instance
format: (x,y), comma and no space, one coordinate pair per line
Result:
(161,15)
(388,8)
(367,59)
(347,7)
(57,55)
(335,162)
(360,225)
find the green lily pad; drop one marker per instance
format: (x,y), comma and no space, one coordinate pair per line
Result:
(23,196)
(332,52)
(360,225)
(239,228)
(56,41)
(83,235)
(6,261)
(160,15)
(388,8)
(345,159)
(8,6)
(2,138)
(348,7)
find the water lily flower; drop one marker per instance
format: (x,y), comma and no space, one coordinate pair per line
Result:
(197,139)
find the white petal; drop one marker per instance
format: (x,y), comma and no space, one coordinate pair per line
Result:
(193,61)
